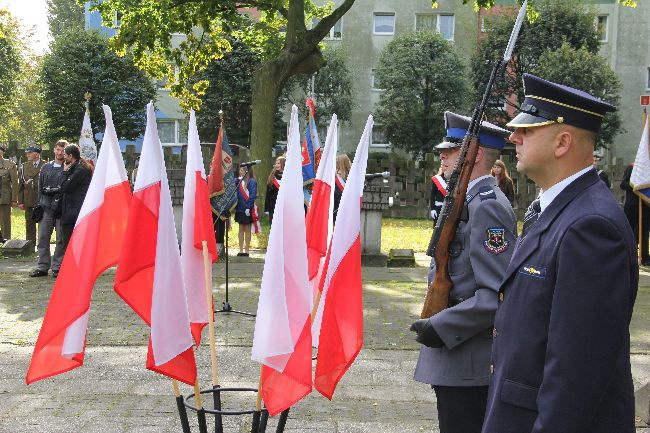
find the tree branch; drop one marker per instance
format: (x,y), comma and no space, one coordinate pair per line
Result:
(315,35)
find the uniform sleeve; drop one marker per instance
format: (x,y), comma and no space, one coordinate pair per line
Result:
(588,330)
(252,193)
(492,241)
(21,185)
(13,178)
(625,183)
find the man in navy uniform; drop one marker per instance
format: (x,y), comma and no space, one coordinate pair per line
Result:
(455,356)
(561,352)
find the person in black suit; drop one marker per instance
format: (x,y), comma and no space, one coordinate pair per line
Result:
(602,174)
(631,209)
(561,352)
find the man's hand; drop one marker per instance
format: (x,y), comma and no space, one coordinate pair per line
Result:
(426,334)
(434,214)
(247,212)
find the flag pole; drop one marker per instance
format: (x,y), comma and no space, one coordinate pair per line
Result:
(203,426)
(640,228)
(182,412)
(258,406)
(213,346)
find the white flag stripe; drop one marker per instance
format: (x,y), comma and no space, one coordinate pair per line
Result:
(170,328)
(348,225)
(326,173)
(640,178)
(109,170)
(285,298)
(192,258)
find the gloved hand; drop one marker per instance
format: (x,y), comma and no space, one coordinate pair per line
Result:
(247,212)
(266,213)
(434,214)
(426,334)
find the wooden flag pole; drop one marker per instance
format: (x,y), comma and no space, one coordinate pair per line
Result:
(640,245)
(314,310)
(203,426)
(180,404)
(213,346)
(255,427)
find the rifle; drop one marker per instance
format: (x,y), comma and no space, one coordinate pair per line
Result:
(437,298)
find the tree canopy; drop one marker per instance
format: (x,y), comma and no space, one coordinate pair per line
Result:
(586,71)
(81,62)
(10,64)
(422,76)
(64,15)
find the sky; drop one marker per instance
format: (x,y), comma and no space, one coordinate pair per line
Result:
(32,14)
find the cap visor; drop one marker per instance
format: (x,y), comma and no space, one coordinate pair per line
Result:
(448,145)
(525,120)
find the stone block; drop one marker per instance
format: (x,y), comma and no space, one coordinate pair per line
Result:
(17,247)
(401,258)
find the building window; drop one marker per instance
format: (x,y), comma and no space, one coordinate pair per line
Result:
(375,84)
(424,22)
(647,79)
(600,22)
(167,131)
(117,19)
(446,26)
(384,23)
(379,137)
(443,24)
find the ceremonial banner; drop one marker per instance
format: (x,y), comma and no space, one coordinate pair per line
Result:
(87,145)
(149,276)
(282,341)
(94,246)
(222,185)
(341,334)
(197,227)
(640,178)
(311,151)
(320,218)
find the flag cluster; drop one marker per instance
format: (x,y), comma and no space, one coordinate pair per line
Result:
(311,284)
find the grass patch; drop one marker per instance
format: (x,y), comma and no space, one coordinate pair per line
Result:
(18,224)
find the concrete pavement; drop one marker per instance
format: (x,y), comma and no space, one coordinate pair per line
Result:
(113,392)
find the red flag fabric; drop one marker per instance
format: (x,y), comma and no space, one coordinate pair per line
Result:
(282,341)
(215,182)
(94,246)
(149,276)
(341,334)
(197,227)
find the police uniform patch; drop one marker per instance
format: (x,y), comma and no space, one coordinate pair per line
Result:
(487,193)
(533,271)
(495,241)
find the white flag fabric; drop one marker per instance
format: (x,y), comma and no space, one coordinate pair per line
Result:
(640,178)
(285,296)
(87,145)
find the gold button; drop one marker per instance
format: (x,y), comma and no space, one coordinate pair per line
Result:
(501,296)
(494,333)
(492,369)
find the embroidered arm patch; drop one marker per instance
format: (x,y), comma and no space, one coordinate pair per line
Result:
(495,240)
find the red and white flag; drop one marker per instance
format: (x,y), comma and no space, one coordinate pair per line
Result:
(282,341)
(341,333)
(94,246)
(197,227)
(149,276)
(320,219)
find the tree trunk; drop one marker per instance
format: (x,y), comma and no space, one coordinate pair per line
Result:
(267,81)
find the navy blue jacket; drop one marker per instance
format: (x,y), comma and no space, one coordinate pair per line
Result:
(243,204)
(561,351)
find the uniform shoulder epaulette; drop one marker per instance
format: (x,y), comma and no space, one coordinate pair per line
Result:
(487,193)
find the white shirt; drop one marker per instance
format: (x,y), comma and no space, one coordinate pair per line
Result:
(547,197)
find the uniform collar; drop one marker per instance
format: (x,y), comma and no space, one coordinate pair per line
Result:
(547,197)
(478,180)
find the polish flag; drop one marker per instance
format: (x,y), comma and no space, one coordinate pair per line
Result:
(94,246)
(197,227)
(149,277)
(320,219)
(341,334)
(282,341)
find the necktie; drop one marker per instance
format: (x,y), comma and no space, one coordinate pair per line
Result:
(532,213)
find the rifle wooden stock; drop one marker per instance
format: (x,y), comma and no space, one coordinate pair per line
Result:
(437,298)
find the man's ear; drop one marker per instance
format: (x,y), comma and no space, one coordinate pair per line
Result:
(479,155)
(564,142)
